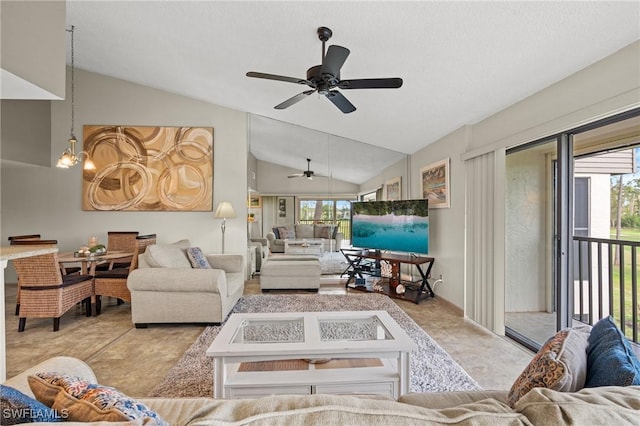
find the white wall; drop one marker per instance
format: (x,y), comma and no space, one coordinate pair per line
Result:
(48,200)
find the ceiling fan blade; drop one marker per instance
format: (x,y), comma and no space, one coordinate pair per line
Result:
(277,77)
(295,175)
(293,100)
(340,101)
(334,59)
(371,83)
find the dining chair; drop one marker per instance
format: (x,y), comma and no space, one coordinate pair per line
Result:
(119,241)
(36,240)
(46,293)
(113,282)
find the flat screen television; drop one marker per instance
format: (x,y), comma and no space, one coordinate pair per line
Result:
(401,225)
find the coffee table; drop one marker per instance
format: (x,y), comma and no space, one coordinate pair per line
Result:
(260,354)
(306,246)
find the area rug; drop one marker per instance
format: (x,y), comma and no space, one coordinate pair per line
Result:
(333,263)
(432,369)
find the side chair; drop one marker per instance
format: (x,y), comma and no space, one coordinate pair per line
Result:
(46,293)
(36,240)
(113,282)
(119,241)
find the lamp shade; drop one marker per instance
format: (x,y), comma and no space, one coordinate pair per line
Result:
(224,211)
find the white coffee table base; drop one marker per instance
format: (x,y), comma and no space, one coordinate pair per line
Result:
(390,379)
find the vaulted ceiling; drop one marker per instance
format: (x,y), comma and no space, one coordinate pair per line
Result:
(460,61)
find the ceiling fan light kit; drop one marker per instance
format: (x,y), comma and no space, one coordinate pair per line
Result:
(325,78)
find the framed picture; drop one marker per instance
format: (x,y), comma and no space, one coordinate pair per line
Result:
(435,184)
(282,207)
(254,202)
(148,168)
(394,189)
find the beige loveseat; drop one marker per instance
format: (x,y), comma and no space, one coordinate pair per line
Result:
(166,288)
(594,406)
(333,238)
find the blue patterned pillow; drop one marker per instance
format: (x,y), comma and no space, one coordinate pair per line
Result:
(197,258)
(610,359)
(16,408)
(83,401)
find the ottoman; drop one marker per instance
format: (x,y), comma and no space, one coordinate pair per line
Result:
(290,273)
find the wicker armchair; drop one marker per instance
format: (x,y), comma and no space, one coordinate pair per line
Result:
(46,293)
(31,240)
(119,241)
(113,282)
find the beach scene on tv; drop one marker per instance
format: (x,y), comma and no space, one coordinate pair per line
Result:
(401,225)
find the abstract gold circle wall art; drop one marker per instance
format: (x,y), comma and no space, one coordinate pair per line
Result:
(146,168)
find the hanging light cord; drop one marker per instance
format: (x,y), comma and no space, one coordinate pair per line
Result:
(73,84)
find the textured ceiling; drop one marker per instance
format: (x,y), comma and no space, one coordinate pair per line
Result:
(460,61)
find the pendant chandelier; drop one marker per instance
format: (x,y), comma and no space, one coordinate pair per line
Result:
(69,157)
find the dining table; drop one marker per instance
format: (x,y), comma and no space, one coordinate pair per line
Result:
(88,262)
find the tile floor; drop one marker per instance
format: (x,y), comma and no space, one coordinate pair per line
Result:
(136,360)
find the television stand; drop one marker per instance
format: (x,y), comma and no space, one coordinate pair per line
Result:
(363,263)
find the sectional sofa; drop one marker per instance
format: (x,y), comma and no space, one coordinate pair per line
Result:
(595,406)
(299,231)
(550,391)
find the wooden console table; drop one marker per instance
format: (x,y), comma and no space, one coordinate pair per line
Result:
(367,263)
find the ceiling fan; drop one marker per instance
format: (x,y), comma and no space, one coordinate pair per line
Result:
(309,174)
(325,78)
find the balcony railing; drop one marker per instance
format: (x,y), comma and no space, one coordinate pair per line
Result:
(606,282)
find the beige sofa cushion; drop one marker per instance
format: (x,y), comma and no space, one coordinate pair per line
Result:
(590,406)
(168,255)
(304,231)
(327,410)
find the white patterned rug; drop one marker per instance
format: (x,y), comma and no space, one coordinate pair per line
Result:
(333,263)
(432,369)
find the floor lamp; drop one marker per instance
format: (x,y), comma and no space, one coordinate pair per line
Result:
(224,211)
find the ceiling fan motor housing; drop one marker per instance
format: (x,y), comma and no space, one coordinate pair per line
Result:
(323,82)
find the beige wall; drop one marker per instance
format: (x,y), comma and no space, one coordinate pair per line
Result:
(34,45)
(26,132)
(605,88)
(399,169)
(47,200)
(273,180)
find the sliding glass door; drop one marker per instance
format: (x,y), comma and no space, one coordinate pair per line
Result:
(561,209)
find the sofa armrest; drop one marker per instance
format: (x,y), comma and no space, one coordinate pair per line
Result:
(181,280)
(227,262)
(271,237)
(59,364)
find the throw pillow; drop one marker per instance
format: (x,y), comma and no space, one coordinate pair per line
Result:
(286,232)
(276,232)
(325,231)
(560,365)
(16,408)
(169,255)
(197,258)
(610,359)
(89,402)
